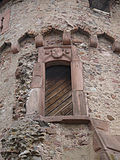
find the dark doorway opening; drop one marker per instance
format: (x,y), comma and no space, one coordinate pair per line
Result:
(103,5)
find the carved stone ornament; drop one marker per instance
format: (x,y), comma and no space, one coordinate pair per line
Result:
(39,41)
(15,48)
(116,46)
(93,41)
(66,38)
(57,53)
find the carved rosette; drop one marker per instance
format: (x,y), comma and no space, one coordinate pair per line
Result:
(57,53)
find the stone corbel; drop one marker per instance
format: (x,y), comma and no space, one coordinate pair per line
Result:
(93,41)
(66,38)
(15,48)
(116,46)
(39,41)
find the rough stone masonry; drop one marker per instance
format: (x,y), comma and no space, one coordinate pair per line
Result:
(30,137)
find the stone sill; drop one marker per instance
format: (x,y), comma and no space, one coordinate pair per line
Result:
(67,119)
(101,12)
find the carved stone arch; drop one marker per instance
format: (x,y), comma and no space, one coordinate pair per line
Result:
(105,41)
(83,30)
(52,37)
(50,54)
(4,46)
(112,40)
(80,35)
(5,49)
(50,29)
(26,37)
(108,37)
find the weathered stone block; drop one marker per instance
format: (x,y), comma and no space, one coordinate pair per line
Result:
(100,124)
(36,82)
(110,142)
(39,41)
(116,46)
(93,41)
(66,38)
(77,78)
(32,104)
(15,48)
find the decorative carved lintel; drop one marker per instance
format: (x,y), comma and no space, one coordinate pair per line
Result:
(57,54)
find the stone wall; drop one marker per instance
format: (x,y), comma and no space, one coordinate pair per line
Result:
(23,76)
(32,139)
(115,14)
(14,89)
(58,14)
(16,71)
(101,67)
(101,80)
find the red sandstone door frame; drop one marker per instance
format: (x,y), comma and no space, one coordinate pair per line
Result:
(61,54)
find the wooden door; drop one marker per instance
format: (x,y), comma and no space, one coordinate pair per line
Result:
(58,91)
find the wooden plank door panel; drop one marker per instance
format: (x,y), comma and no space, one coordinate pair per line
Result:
(58,91)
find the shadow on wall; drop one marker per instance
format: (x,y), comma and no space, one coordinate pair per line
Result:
(103,5)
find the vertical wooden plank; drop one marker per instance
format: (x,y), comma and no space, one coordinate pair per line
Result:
(79,105)
(76,72)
